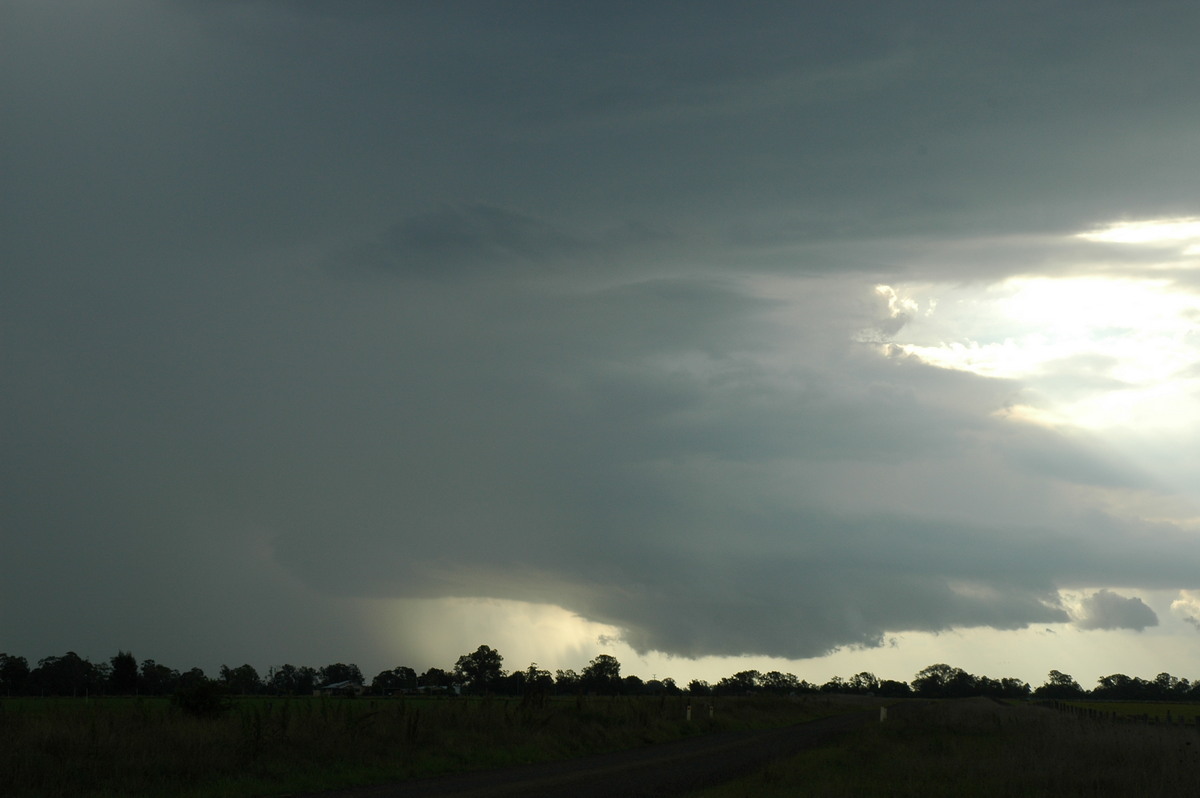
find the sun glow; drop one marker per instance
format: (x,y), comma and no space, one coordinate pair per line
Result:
(1096,351)
(1151,231)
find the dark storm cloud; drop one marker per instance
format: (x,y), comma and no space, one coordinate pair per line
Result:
(565,303)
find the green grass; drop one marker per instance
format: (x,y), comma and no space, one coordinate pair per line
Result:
(983,749)
(1153,710)
(97,748)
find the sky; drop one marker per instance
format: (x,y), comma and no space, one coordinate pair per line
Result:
(807,337)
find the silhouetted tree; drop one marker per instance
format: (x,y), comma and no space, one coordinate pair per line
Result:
(480,669)
(1166,687)
(699,687)
(890,688)
(862,683)
(567,681)
(435,677)
(782,683)
(69,674)
(157,679)
(339,672)
(191,678)
(291,680)
(399,678)
(1059,685)
(602,675)
(740,683)
(943,681)
(242,680)
(123,678)
(14,674)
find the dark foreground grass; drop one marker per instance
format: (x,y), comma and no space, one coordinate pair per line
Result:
(145,747)
(983,749)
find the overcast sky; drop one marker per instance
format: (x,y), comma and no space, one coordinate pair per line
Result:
(819,337)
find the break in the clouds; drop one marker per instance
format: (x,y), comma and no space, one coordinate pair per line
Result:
(767,333)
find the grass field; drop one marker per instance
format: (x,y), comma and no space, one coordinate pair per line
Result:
(1157,711)
(145,747)
(979,748)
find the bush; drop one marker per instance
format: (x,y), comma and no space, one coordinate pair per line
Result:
(206,699)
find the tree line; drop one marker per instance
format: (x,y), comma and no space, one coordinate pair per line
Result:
(481,672)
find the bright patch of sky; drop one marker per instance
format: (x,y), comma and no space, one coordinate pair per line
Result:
(1095,351)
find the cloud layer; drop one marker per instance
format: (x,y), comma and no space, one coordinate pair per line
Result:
(306,307)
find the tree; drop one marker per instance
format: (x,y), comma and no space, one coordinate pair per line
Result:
(943,681)
(480,669)
(699,687)
(890,688)
(124,676)
(157,679)
(602,675)
(339,672)
(1118,685)
(566,681)
(291,680)
(1059,685)
(739,683)
(398,678)
(14,673)
(435,677)
(192,679)
(69,674)
(538,678)
(781,683)
(863,683)
(242,680)
(1169,688)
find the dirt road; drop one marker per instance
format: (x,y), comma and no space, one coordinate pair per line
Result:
(660,770)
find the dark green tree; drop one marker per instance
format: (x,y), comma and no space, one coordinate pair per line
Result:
(339,672)
(943,681)
(782,683)
(242,680)
(123,679)
(740,683)
(1059,685)
(157,679)
(890,688)
(291,680)
(398,678)
(480,669)
(435,677)
(69,674)
(602,675)
(863,683)
(14,674)
(566,681)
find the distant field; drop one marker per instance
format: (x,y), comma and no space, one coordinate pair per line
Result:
(983,749)
(88,748)
(1154,710)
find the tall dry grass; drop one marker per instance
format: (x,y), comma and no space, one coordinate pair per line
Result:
(979,748)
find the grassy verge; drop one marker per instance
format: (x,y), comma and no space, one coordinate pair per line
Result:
(145,747)
(983,749)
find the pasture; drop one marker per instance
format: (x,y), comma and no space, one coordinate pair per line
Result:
(102,747)
(981,748)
